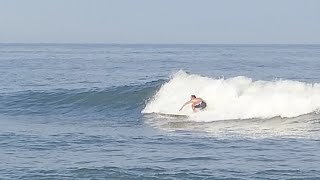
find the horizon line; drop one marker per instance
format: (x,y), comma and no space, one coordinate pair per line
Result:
(104,43)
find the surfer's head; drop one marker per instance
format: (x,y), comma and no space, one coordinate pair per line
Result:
(193,96)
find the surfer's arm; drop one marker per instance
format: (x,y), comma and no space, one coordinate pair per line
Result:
(185,105)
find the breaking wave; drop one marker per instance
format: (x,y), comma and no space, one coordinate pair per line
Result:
(235,98)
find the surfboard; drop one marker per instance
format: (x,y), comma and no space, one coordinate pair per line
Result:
(173,115)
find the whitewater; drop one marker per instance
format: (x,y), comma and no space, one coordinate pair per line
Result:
(235,98)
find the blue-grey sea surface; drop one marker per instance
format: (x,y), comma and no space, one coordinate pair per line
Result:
(74,111)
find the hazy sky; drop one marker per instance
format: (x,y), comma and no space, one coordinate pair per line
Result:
(160,21)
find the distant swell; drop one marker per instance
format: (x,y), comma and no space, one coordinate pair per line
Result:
(78,101)
(235,98)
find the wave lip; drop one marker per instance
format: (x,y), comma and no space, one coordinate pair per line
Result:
(235,98)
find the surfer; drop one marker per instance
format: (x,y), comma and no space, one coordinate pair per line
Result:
(196,103)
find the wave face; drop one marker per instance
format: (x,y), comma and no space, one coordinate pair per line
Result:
(235,98)
(112,101)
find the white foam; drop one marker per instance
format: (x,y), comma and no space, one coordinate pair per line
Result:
(235,98)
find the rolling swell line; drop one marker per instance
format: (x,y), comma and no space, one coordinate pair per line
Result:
(69,101)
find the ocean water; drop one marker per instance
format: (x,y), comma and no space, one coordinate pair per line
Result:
(95,111)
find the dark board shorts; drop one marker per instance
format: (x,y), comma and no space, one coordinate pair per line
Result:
(202,105)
